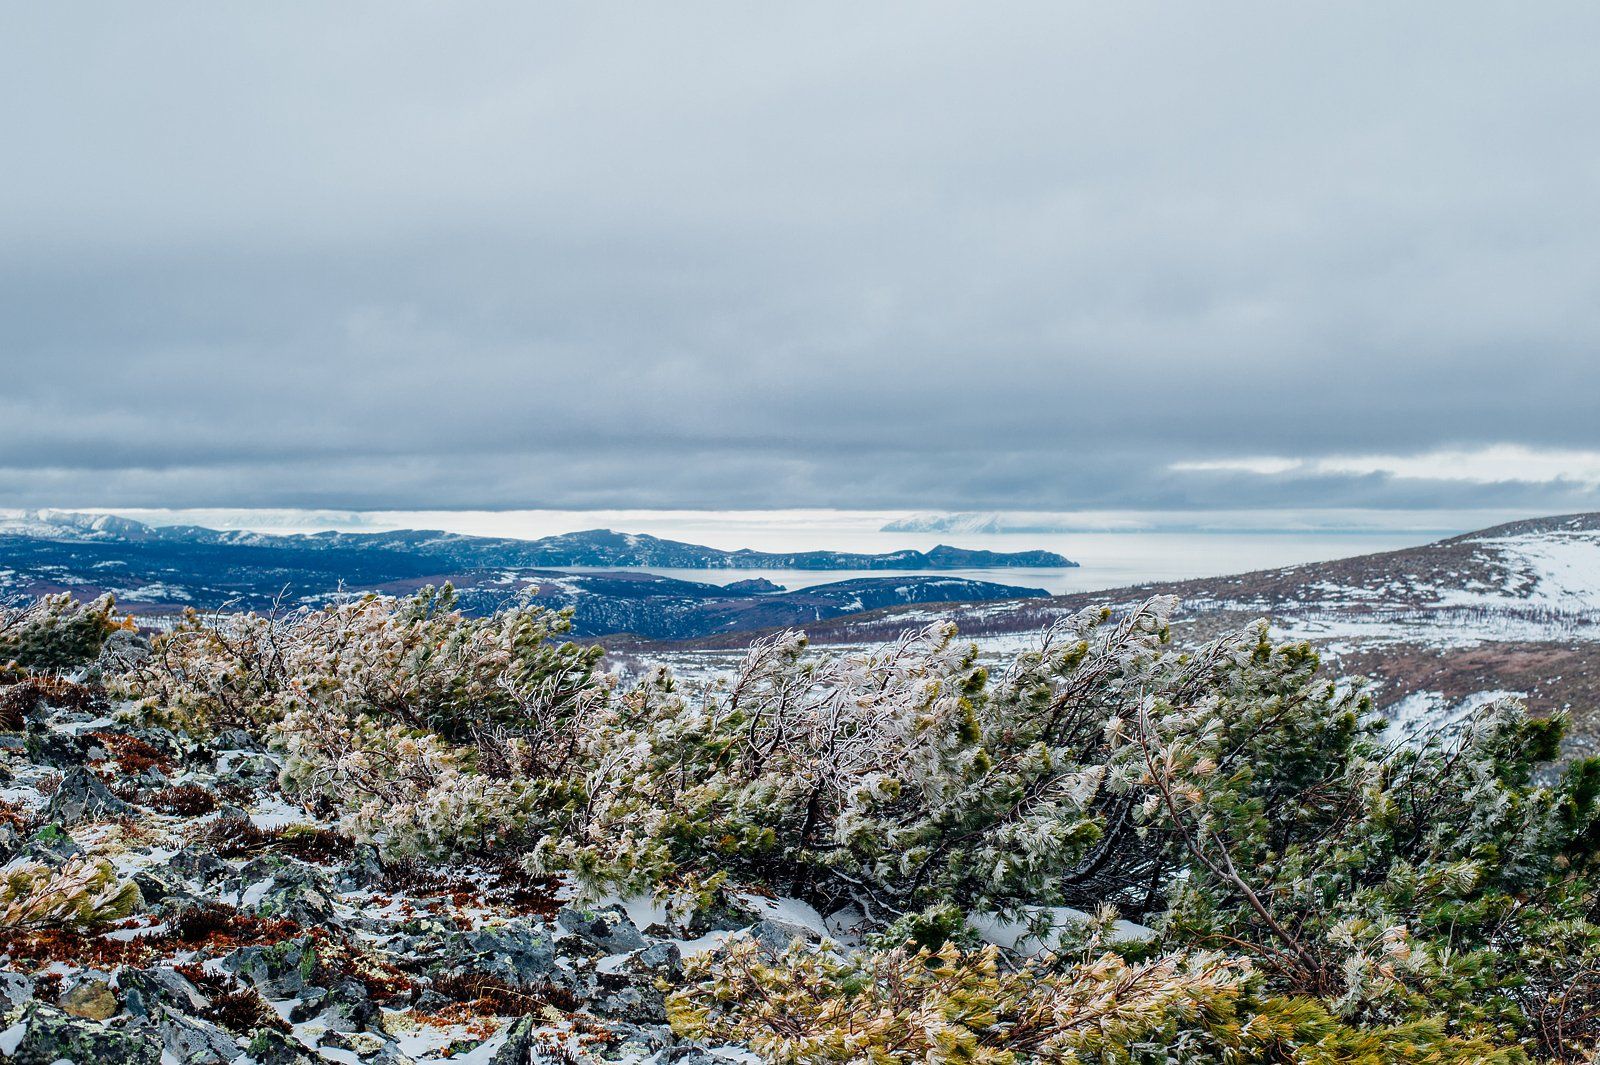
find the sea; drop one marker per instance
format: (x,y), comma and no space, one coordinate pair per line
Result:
(1115,550)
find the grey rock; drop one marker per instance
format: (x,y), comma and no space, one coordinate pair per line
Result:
(776,936)
(518,1047)
(518,952)
(121,652)
(235,739)
(299,892)
(155,887)
(371,1049)
(629,991)
(147,993)
(255,768)
(56,749)
(363,871)
(52,1035)
(51,845)
(269,1047)
(192,1041)
(344,1007)
(687,1055)
(82,797)
(607,928)
(198,863)
(15,988)
(278,971)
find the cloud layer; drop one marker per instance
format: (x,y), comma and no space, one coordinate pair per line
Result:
(407,255)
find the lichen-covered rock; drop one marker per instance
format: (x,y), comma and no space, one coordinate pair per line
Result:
(254,768)
(234,740)
(89,997)
(15,988)
(268,1047)
(122,651)
(687,1054)
(777,935)
(46,1035)
(278,971)
(272,887)
(192,1041)
(517,951)
(49,844)
(517,1048)
(51,747)
(82,797)
(344,1007)
(146,991)
(631,990)
(197,863)
(607,927)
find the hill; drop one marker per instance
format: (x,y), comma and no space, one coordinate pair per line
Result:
(593,547)
(157,572)
(1512,608)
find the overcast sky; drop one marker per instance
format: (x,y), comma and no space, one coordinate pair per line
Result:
(1047,257)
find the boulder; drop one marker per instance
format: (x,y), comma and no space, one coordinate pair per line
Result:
(90,998)
(147,992)
(279,971)
(607,928)
(776,936)
(82,797)
(46,1035)
(631,989)
(518,952)
(192,1041)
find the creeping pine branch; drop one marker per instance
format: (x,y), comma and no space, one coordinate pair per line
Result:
(1222,866)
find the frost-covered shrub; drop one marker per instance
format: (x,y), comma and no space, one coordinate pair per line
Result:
(422,663)
(893,777)
(779,767)
(411,792)
(83,891)
(214,672)
(1228,796)
(56,632)
(416,726)
(417,661)
(904,1005)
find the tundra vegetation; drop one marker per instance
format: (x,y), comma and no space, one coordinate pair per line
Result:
(1218,853)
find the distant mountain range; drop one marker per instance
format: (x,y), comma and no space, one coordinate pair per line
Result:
(594,547)
(159,570)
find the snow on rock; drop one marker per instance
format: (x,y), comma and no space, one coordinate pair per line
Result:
(1019,934)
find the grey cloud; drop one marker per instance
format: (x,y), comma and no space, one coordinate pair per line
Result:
(406,255)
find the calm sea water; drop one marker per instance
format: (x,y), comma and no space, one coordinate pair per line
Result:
(1106,560)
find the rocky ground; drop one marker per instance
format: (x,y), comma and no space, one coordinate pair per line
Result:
(260,935)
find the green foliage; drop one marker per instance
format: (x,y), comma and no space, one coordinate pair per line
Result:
(83,891)
(1316,889)
(911,1004)
(56,632)
(416,661)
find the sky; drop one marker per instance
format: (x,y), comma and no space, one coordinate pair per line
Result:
(1036,257)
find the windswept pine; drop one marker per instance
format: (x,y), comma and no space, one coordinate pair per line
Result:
(1109,842)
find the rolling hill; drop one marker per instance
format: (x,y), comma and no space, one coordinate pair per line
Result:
(1514,608)
(157,572)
